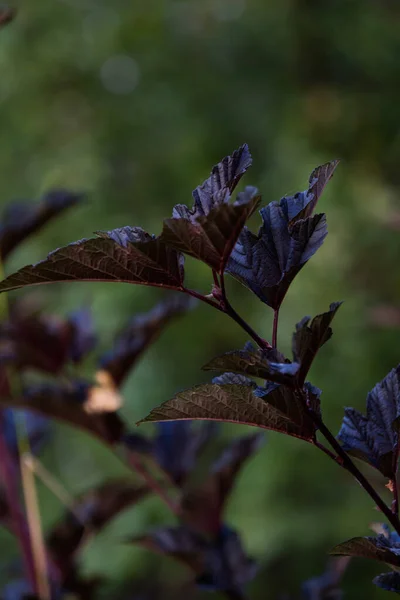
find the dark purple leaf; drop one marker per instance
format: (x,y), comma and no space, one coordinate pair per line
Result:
(219,565)
(127,255)
(90,514)
(373,438)
(210,229)
(83,338)
(327,585)
(302,204)
(234,379)
(177,542)
(275,407)
(66,402)
(309,337)
(388,581)
(210,238)
(203,506)
(30,339)
(21,219)
(255,363)
(288,238)
(268,263)
(177,446)
(142,330)
(223,179)
(227,566)
(378,548)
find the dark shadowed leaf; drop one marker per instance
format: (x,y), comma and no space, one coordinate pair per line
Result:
(89,514)
(388,581)
(140,332)
(177,446)
(309,337)
(289,236)
(203,506)
(378,548)
(177,542)
(36,340)
(255,362)
(275,407)
(66,403)
(219,565)
(128,255)
(210,238)
(83,336)
(32,338)
(327,585)
(21,219)
(227,566)
(373,438)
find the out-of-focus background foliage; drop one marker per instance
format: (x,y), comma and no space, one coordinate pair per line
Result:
(133,102)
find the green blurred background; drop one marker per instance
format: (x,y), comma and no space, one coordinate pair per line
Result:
(134,101)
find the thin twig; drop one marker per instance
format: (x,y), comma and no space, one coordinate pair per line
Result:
(239,320)
(51,483)
(275,328)
(215,277)
(348,464)
(228,309)
(35,529)
(242,323)
(208,300)
(323,448)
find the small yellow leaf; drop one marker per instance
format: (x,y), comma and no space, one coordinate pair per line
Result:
(390,485)
(103,396)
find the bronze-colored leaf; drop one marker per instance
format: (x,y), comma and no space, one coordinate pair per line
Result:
(376,548)
(211,238)
(276,407)
(127,255)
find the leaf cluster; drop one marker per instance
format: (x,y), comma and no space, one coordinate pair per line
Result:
(257,385)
